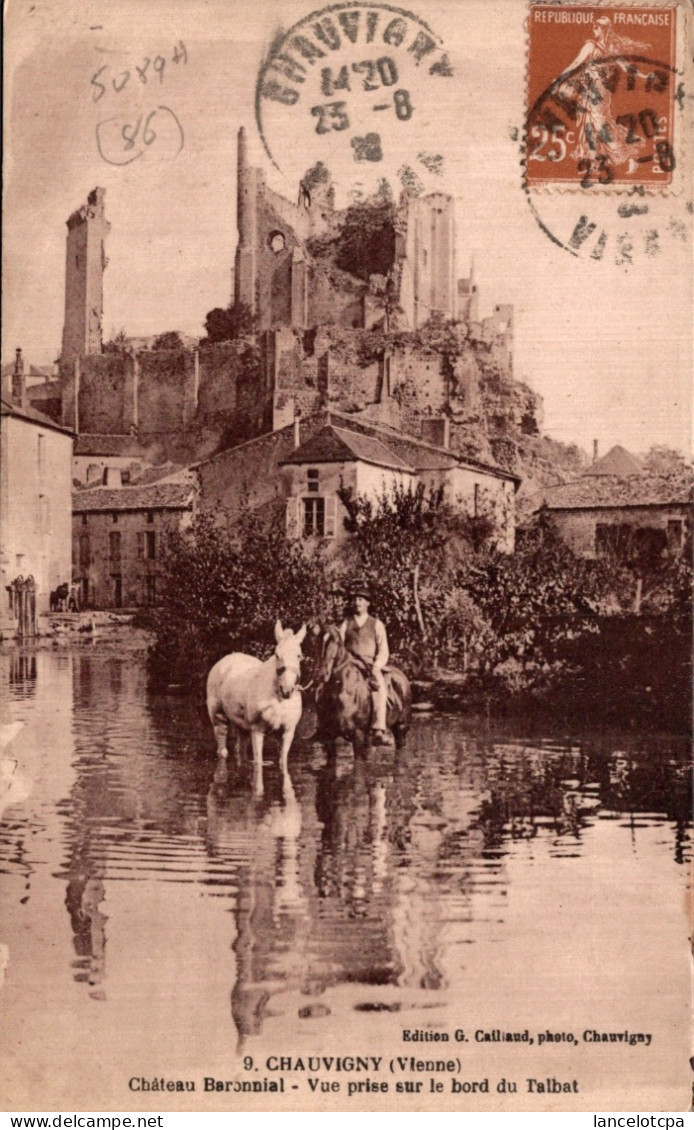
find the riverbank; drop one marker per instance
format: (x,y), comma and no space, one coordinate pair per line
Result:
(119,631)
(632,672)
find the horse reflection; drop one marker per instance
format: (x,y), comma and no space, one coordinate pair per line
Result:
(272,909)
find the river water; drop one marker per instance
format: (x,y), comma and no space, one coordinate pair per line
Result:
(163,920)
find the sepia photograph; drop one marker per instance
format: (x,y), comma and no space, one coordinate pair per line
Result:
(346,547)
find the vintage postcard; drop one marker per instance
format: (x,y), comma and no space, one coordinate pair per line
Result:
(346,358)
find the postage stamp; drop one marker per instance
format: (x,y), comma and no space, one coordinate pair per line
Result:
(601,86)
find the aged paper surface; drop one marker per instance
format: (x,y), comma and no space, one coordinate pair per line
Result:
(569,994)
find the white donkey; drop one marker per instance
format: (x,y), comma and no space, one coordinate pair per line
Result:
(258,697)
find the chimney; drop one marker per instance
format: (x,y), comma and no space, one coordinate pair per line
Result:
(113,477)
(19,384)
(595,451)
(297,431)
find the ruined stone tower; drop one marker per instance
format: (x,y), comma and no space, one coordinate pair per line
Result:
(428,283)
(84,267)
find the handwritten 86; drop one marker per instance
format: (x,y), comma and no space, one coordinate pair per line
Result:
(122,142)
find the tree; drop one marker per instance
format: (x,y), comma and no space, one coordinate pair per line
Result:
(223,588)
(169,340)
(235,322)
(660,459)
(411,544)
(119,343)
(366,242)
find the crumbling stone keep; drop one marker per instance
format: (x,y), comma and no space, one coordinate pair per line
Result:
(84,270)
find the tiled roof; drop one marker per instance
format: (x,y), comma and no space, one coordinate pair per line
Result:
(92,443)
(156,496)
(610,491)
(166,471)
(29,370)
(31,414)
(338,445)
(618,461)
(422,456)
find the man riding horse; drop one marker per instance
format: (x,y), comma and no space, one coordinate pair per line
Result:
(365,638)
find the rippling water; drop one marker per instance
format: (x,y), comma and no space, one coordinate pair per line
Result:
(163,918)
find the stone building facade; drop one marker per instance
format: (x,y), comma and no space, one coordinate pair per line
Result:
(626,516)
(293,474)
(35,501)
(118,533)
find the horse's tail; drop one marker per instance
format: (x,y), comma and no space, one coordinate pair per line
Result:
(402,694)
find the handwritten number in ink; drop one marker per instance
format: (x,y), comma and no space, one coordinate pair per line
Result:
(403,107)
(125,75)
(98,93)
(148,134)
(135,138)
(121,80)
(129,133)
(142,71)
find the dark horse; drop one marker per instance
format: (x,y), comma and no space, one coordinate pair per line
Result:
(344,699)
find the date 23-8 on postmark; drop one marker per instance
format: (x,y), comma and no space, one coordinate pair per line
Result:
(353,80)
(601,96)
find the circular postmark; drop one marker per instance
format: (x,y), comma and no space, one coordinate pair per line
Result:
(602,140)
(354,84)
(607,121)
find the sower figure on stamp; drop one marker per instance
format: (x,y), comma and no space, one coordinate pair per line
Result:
(365,638)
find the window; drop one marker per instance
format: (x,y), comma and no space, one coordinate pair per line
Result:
(150,516)
(84,519)
(114,549)
(45,514)
(314,517)
(150,590)
(117,590)
(41,451)
(476,501)
(84,553)
(146,545)
(318,516)
(114,517)
(675,531)
(276,242)
(313,479)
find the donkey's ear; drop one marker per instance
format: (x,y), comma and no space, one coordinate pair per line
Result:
(300,634)
(279,630)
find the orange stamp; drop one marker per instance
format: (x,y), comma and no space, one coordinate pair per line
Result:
(601,96)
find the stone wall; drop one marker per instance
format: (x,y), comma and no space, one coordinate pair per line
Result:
(578,527)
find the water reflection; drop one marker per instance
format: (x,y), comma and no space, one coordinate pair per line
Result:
(379,877)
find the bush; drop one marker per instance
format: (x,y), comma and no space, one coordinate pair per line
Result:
(223,588)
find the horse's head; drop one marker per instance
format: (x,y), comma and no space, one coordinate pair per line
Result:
(332,649)
(288,658)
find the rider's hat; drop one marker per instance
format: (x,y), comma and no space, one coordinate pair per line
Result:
(359,587)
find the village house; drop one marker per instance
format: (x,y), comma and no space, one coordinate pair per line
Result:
(616,507)
(294,474)
(35,504)
(118,533)
(94,454)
